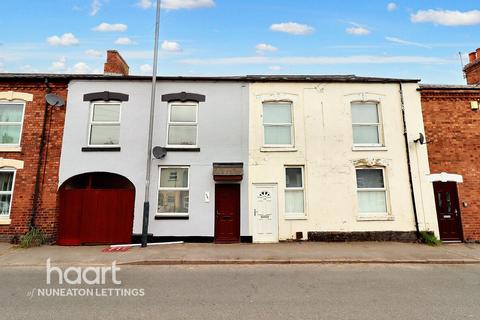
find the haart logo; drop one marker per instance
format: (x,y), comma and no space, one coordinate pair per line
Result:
(86,275)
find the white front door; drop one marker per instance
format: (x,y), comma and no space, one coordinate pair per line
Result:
(265,220)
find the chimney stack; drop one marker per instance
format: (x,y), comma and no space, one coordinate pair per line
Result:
(115,65)
(472,69)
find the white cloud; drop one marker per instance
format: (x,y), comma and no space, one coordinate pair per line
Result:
(146,69)
(392,6)
(81,67)
(171,46)
(110,27)
(59,64)
(320,60)
(264,48)
(292,28)
(358,31)
(406,42)
(447,17)
(187,4)
(275,68)
(124,41)
(67,39)
(95,7)
(93,53)
(145,4)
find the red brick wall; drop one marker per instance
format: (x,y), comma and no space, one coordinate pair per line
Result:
(454,131)
(472,72)
(30,142)
(115,64)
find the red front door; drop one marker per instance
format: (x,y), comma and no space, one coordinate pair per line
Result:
(448,211)
(227,213)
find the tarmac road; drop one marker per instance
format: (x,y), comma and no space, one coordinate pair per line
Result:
(375,291)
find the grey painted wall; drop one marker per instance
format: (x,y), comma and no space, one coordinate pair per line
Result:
(222,137)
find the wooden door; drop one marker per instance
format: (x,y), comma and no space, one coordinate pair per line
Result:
(265,220)
(227,213)
(448,211)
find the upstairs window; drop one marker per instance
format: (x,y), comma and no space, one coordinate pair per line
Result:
(182,125)
(11,120)
(366,124)
(277,124)
(7,178)
(371,192)
(104,124)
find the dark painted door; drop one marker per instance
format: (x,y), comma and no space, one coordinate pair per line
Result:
(96,216)
(227,213)
(448,211)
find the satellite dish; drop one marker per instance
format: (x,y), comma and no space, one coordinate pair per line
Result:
(54,100)
(420,139)
(159,152)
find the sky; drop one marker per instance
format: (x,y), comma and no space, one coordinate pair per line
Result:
(400,39)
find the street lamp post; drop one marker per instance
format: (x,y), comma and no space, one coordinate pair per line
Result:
(146,203)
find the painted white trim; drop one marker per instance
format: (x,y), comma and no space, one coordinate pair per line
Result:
(5,221)
(295,215)
(13,95)
(372,216)
(445,177)
(15,123)
(291,125)
(7,216)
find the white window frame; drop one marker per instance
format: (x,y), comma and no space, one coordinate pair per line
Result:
(291,125)
(293,215)
(173,214)
(378,124)
(2,102)
(175,123)
(111,123)
(7,216)
(373,215)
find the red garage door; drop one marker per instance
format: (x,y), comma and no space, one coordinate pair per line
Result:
(96,209)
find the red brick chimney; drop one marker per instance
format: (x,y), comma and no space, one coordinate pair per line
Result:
(472,69)
(115,65)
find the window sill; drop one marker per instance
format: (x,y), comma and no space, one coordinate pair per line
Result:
(5,221)
(293,217)
(278,149)
(171,217)
(101,149)
(377,218)
(369,148)
(182,149)
(10,149)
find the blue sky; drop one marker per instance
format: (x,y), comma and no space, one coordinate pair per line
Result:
(407,39)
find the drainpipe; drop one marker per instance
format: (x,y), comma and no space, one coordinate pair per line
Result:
(410,178)
(36,193)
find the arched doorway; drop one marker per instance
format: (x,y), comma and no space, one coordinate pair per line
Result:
(96,208)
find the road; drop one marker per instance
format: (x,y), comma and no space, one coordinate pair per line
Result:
(255,292)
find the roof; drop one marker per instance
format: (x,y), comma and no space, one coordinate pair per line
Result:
(448,87)
(247,78)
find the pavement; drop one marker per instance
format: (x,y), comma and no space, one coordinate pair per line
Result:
(278,253)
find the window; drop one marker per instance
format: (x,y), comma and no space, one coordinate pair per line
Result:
(371,192)
(366,124)
(105,124)
(7,178)
(11,119)
(294,191)
(173,192)
(182,125)
(278,124)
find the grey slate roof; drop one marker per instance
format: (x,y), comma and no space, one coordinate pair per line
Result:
(247,78)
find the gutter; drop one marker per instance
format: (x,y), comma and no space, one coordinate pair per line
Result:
(410,178)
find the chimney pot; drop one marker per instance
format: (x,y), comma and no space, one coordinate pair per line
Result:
(472,56)
(115,65)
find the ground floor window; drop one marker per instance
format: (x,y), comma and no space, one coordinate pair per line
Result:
(294,192)
(371,192)
(173,191)
(7,178)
